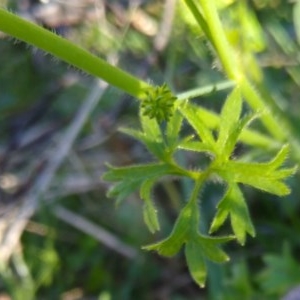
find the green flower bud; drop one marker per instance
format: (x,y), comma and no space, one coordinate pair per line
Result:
(158,103)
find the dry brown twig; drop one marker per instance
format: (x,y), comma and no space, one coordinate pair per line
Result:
(100,234)
(162,37)
(16,221)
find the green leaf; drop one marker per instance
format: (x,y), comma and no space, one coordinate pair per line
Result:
(230,115)
(137,172)
(199,248)
(160,145)
(150,216)
(173,129)
(152,136)
(137,134)
(131,178)
(259,177)
(149,211)
(231,125)
(123,189)
(258,140)
(210,247)
(151,127)
(240,282)
(209,118)
(172,244)
(196,263)
(282,272)
(279,158)
(264,176)
(169,246)
(234,135)
(250,137)
(195,146)
(192,113)
(154,144)
(233,204)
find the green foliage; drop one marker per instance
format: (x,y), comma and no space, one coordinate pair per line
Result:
(234,204)
(281,272)
(239,283)
(198,248)
(163,143)
(42,266)
(164,117)
(149,211)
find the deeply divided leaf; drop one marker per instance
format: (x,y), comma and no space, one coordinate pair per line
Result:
(137,172)
(279,158)
(234,205)
(195,146)
(151,127)
(264,176)
(196,263)
(129,179)
(162,140)
(192,113)
(153,142)
(200,248)
(235,133)
(230,115)
(123,189)
(172,244)
(149,210)
(161,143)
(173,130)
(150,216)
(259,177)
(231,126)
(211,247)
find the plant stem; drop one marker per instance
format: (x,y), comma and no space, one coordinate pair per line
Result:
(233,70)
(65,50)
(269,120)
(219,39)
(199,17)
(205,90)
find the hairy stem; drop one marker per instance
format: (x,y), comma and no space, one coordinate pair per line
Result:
(67,51)
(219,39)
(232,69)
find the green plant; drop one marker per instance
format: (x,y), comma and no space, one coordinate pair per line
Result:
(163,144)
(216,136)
(280,274)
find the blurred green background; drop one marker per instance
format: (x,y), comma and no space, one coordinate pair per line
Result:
(79,245)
